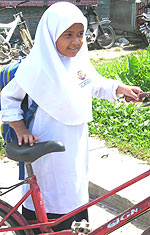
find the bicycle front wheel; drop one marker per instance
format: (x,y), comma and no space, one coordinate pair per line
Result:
(10,222)
(5,51)
(15,220)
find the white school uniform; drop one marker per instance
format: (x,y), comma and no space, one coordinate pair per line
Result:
(63,89)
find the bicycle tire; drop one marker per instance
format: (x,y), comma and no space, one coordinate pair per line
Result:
(108,41)
(27,42)
(16,219)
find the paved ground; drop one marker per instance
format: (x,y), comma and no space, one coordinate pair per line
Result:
(99,215)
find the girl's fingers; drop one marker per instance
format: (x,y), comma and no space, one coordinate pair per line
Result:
(30,140)
(20,141)
(27,139)
(35,139)
(128,98)
(133,94)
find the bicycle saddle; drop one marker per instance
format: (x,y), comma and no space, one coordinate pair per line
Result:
(26,153)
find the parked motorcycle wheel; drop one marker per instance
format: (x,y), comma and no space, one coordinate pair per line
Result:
(106,40)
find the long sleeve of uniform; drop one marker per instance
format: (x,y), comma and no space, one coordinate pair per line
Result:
(11,98)
(102,87)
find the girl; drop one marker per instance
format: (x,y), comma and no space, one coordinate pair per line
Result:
(58,76)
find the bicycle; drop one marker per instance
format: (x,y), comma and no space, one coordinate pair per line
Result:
(10,44)
(12,221)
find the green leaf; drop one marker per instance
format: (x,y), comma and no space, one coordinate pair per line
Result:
(132,65)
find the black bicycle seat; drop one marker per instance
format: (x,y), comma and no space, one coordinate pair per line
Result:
(26,153)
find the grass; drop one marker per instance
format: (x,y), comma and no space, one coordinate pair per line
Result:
(121,126)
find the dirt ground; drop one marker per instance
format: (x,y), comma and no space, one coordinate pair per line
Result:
(114,52)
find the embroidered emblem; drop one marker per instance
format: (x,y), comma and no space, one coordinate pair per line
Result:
(82,76)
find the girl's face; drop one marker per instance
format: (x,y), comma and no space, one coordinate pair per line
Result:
(71,40)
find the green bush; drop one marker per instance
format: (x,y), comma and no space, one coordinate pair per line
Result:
(132,70)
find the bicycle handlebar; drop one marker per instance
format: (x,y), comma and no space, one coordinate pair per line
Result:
(20,3)
(14,7)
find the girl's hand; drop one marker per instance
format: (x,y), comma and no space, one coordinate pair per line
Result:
(23,134)
(131,92)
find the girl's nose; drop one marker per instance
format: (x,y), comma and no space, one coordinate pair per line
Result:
(76,40)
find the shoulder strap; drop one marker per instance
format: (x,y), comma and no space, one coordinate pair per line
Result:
(30,113)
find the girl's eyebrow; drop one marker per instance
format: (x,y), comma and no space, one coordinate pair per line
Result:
(70,31)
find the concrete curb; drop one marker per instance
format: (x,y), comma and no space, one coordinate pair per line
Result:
(108,169)
(116,201)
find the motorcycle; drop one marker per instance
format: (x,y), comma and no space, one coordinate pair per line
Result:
(99,32)
(143,22)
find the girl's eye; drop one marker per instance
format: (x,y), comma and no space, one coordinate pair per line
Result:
(81,34)
(68,35)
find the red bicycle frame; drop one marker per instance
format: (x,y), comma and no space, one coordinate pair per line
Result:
(46,224)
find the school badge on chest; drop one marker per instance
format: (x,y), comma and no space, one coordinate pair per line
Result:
(81,75)
(84,80)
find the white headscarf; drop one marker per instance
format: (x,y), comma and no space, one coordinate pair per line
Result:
(49,78)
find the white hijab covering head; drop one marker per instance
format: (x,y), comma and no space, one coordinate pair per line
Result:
(49,78)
